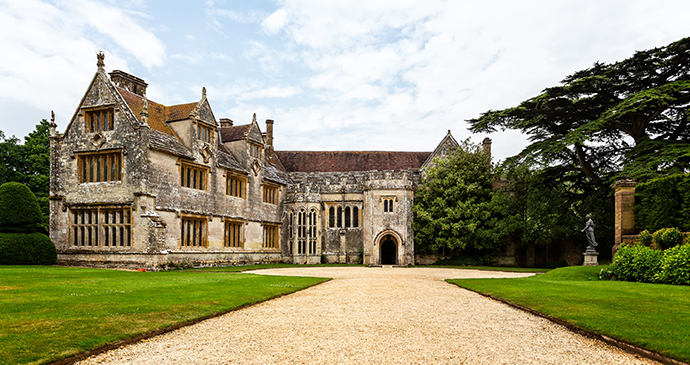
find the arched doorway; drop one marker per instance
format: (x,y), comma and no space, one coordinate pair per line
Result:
(389,250)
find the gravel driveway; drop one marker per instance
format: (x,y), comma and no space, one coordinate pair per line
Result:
(373,316)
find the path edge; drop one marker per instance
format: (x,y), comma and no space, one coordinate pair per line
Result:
(625,346)
(112,346)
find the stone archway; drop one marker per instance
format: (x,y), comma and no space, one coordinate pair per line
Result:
(388,247)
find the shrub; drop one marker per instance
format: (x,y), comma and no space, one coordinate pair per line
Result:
(19,210)
(684,192)
(668,237)
(646,238)
(635,263)
(26,249)
(675,266)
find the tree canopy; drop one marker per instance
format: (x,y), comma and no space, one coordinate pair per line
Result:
(28,163)
(626,118)
(452,204)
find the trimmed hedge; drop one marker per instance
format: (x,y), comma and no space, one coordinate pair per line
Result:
(19,210)
(668,237)
(26,249)
(663,202)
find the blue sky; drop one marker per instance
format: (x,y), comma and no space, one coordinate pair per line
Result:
(355,75)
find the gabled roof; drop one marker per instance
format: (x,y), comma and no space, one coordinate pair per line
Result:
(234,133)
(345,161)
(447,143)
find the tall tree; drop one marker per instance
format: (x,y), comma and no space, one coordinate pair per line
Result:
(629,117)
(28,164)
(452,204)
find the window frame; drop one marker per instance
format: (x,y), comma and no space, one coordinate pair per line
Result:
(201,241)
(99,226)
(204,133)
(254,150)
(270,193)
(271,236)
(232,190)
(108,121)
(101,168)
(237,240)
(200,169)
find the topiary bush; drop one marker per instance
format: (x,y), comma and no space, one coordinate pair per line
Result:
(668,237)
(636,263)
(26,249)
(19,210)
(675,266)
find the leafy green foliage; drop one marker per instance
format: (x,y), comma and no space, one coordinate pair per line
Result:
(19,210)
(646,238)
(581,129)
(675,267)
(668,237)
(658,205)
(636,263)
(29,164)
(27,249)
(453,204)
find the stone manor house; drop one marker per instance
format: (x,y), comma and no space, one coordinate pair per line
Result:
(135,183)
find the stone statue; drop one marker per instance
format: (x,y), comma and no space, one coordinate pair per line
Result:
(589,231)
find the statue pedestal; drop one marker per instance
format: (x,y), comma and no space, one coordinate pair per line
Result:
(591,257)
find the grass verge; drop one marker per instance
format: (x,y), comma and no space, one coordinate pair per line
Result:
(48,313)
(651,316)
(263,266)
(490,268)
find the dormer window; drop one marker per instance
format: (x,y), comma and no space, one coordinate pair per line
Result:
(254,150)
(97,120)
(204,133)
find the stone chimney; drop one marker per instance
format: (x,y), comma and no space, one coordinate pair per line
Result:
(486,146)
(269,132)
(129,82)
(225,123)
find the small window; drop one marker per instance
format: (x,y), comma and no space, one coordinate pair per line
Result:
(204,133)
(347,217)
(99,120)
(355,217)
(236,186)
(192,176)
(388,205)
(340,217)
(331,217)
(270,236)
(234,236)
(254,150)
(193,232)
(100,167)
(312,232)
(270,194)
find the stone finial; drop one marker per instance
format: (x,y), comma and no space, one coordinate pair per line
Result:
(144,111)
(52,126)
(203,91)
(101,57)
(254,118)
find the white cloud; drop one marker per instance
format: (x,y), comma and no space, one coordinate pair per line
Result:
(46,48)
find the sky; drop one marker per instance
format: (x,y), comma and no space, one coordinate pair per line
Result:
(387,75)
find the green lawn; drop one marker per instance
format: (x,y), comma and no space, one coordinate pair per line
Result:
(48,313)
(490,268)
(652,316)
(263,266)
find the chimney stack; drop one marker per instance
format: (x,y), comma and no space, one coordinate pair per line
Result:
(129,82)
(486,145)
(225,123)
(269,132)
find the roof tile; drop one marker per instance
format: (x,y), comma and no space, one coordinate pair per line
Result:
(345,161)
